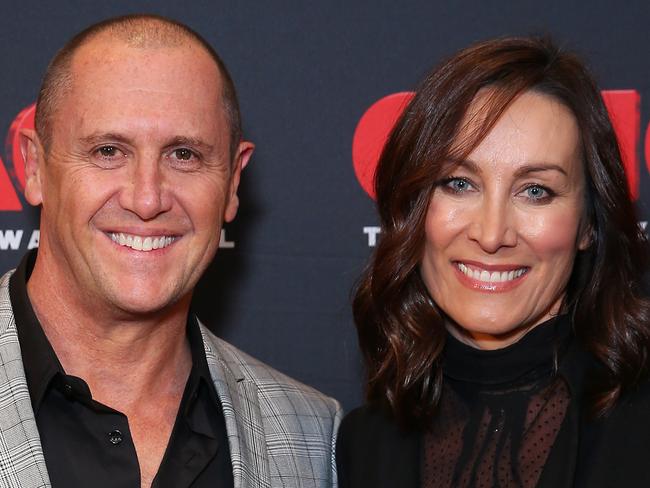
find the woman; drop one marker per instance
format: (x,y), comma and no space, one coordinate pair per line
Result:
(501,318)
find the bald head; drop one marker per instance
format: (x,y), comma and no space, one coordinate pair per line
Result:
(139,32)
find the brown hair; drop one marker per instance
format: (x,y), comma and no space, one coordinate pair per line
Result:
(401,330)
(142,31)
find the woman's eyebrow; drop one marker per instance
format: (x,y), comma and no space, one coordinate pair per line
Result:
(467,164)
(540,167)
(524,170)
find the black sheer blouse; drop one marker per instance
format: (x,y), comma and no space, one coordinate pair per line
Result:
(516,417)
(500,412)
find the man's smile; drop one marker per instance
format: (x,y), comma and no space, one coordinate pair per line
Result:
(141,243)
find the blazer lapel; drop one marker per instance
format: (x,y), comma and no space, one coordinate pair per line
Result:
(21,455)
(241,411)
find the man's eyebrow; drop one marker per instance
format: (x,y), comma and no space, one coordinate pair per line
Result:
(191,142)
(108,137)
(104,137)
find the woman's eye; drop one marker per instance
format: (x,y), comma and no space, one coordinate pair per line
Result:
(536,192)
(183,154)
(458,185)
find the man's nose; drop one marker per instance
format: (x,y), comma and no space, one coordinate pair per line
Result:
(493,225)
(146,193)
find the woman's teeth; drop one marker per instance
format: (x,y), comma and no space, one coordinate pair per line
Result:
(493,277)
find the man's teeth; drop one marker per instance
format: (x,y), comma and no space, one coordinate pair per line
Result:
(140,243)
(494,277)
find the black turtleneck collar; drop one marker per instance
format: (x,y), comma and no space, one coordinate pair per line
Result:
(539,350)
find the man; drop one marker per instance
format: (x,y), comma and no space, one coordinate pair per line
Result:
(106,379)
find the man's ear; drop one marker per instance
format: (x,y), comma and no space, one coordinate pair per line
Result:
(33,155)
(242,156)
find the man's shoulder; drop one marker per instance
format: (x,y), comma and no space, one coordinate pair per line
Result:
(285,425)
(6,311)
(269,381)
(4,279)
(4,286)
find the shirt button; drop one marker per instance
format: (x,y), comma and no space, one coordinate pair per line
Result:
(115,437)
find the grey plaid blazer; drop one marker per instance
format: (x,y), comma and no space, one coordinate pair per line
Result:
(281,433)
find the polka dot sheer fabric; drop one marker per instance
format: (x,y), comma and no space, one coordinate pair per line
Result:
(501,413)
(487,436)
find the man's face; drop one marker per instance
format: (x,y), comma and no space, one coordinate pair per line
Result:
(138,178)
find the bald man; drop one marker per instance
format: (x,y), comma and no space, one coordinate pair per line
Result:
(106,378)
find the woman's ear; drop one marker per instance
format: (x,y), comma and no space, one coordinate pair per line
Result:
(586,237)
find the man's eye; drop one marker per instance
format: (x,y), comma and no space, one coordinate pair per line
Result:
(183,154)
(108,151)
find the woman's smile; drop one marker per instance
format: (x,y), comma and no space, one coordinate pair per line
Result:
(490,278)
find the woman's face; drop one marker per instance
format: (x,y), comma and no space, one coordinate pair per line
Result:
(503,229)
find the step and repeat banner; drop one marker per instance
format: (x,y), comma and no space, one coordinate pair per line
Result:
(320,84)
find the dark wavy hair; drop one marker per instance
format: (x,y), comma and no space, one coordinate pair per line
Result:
(401,330)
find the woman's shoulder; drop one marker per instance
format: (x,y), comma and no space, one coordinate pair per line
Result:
(634,404)
(373,450)
(373,422)
(371,432)
(616,446)
(368,418)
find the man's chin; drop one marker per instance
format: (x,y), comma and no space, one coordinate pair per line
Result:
(142,305)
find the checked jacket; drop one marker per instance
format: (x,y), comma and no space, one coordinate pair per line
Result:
(281,433)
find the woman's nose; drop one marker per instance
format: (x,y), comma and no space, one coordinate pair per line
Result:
(493,225)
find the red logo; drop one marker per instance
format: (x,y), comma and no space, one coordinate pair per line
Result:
(372,133)
(624,112)
(376,123)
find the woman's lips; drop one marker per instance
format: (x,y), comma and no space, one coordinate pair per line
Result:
(490,278)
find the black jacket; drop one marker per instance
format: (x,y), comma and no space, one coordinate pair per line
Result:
(613,452)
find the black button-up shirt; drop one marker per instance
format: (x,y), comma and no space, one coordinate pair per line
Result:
(86,443)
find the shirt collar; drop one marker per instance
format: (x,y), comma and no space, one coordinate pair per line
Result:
(39,359)
(200,373)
